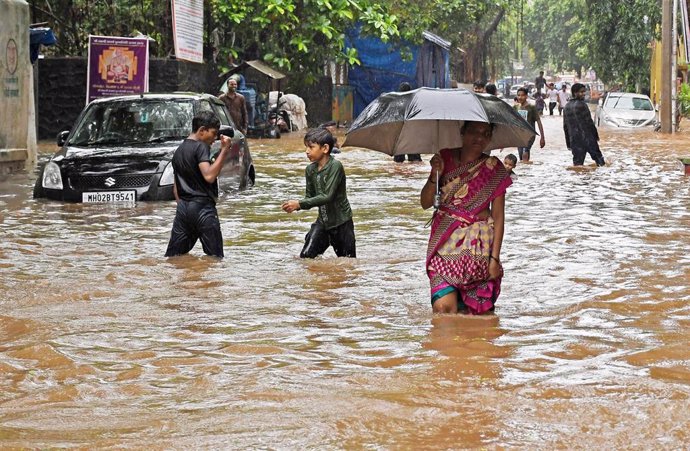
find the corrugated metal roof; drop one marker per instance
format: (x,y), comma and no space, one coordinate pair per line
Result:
(438,40)
(258,65)
(266,69)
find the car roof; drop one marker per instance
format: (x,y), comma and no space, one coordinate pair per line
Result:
(628,94)
(159,96)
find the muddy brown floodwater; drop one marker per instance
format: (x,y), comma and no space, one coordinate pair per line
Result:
(106,344)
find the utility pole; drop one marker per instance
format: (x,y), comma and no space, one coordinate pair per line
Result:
(667,59)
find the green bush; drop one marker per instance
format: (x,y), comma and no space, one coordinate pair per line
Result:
(683,100)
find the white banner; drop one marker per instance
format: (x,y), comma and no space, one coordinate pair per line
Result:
(188,29)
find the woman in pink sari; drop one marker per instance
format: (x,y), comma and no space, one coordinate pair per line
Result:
(463,256)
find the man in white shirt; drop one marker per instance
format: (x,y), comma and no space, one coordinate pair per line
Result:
(552,94)
(563,97)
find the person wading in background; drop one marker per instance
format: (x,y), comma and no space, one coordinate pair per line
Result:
(237,106)
(581,135)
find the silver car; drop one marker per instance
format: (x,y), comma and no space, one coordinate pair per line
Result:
(625,110)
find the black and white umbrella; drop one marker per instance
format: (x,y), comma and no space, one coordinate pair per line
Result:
(427,120)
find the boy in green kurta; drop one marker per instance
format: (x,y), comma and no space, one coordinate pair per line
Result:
(325,190)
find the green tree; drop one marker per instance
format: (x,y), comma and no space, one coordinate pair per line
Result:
(615,40)
(299,35)
(470,26)
(550,30)
(610,36)
(74,20)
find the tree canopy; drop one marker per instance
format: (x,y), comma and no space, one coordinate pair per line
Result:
(301,36)
(612,37)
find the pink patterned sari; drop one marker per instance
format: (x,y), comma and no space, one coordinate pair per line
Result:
(460,242)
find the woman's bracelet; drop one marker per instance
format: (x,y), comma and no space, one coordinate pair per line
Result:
(491,256)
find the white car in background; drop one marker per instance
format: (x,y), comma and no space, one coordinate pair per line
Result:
(625,110)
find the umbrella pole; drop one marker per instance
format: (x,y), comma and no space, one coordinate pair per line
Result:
(437,196)
(437,138)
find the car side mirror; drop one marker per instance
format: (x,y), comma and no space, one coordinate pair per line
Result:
(226,130)
(62,137)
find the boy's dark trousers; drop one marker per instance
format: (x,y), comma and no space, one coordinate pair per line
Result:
(195,221)
(342,238)
(552,105)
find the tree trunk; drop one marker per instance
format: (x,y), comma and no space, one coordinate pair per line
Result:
(475,58)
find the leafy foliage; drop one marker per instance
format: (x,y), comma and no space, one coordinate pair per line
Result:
(683,100)
(551,28)
(301,36)
(612,37)
(74,20)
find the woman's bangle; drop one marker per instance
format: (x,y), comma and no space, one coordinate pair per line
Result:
(491,256)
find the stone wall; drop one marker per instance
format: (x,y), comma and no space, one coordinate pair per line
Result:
(61,94)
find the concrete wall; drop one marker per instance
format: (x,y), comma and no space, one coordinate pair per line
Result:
(17,133)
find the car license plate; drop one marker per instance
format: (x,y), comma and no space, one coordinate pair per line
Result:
(109,196)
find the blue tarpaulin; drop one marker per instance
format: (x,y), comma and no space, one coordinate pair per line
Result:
(40,36)
(383,68)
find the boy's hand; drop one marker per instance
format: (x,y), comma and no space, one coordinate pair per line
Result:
(290,206)
(225,143)
(542,142)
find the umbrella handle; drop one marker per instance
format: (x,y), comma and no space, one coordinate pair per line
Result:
(437,196)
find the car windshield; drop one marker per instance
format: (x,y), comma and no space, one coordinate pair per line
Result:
(629,103)
(137,121)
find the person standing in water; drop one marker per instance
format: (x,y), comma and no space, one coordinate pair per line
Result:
(531,115)
(463,259)
(404,87)
(236,105)
(581,135)
(326,189)
(196,188)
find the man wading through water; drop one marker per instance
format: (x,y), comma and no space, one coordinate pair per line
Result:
(581,135)
(196,188)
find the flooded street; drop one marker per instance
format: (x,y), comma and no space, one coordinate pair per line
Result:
(106,344)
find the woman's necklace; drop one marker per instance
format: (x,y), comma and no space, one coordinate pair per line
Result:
(459,161)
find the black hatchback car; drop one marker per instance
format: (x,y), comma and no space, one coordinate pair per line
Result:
(120,150)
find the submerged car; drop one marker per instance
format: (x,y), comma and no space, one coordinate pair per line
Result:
(120,150)
(623,109)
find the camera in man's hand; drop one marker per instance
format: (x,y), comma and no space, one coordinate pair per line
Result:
(225,130)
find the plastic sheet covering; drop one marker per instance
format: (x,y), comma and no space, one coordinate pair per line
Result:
(296,109)
(40,36)
(427,120)
(383,68)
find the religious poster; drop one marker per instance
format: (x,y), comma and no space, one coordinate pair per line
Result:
(117,66)
(188,29)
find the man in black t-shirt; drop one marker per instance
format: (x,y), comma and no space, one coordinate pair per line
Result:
(196,189)
(540,81)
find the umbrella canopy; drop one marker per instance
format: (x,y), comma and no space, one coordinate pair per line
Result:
(427,120)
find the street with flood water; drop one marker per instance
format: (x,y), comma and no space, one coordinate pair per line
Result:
(104,343)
